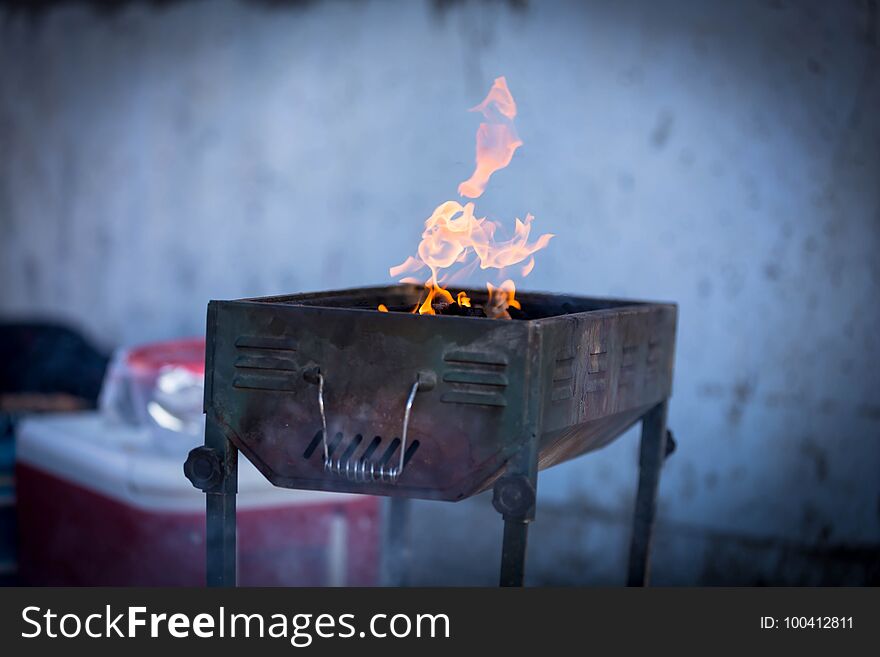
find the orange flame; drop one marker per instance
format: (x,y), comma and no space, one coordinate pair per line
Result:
(500,299)
(496,138)
(453,234)
(434,292)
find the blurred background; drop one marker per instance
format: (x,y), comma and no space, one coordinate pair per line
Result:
(725,156)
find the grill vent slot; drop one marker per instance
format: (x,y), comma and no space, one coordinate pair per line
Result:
(313,445)
(629,362)
(654,361)
(563,379)
(333,443)
(597,371)
(372,447)
(352,446)
(265,363)
(475,377)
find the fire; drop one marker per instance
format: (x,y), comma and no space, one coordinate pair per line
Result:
(500,299)
(434,292)
(496,138)
(454,235)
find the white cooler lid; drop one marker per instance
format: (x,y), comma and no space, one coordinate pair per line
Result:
(119,462)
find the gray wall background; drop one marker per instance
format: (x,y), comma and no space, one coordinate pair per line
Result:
(721,155)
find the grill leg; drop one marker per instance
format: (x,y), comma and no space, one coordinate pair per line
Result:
(398,548)
(651,455)
(221,539)
(214,469)
(513,552)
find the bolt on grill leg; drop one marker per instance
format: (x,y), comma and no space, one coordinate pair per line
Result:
(652,453)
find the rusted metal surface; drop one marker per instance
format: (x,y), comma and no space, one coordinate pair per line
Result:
(510,396)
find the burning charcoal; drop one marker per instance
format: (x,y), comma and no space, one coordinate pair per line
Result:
(444,308)
(455,310)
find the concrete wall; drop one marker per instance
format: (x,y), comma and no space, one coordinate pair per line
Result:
(721,155)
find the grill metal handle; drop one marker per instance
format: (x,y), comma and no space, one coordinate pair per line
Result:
(359,470)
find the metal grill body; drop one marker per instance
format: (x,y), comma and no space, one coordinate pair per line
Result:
(490,401)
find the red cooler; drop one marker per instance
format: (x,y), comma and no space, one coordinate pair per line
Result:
(96,507)
(102,500)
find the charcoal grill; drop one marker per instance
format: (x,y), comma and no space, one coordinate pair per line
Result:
(323,392)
